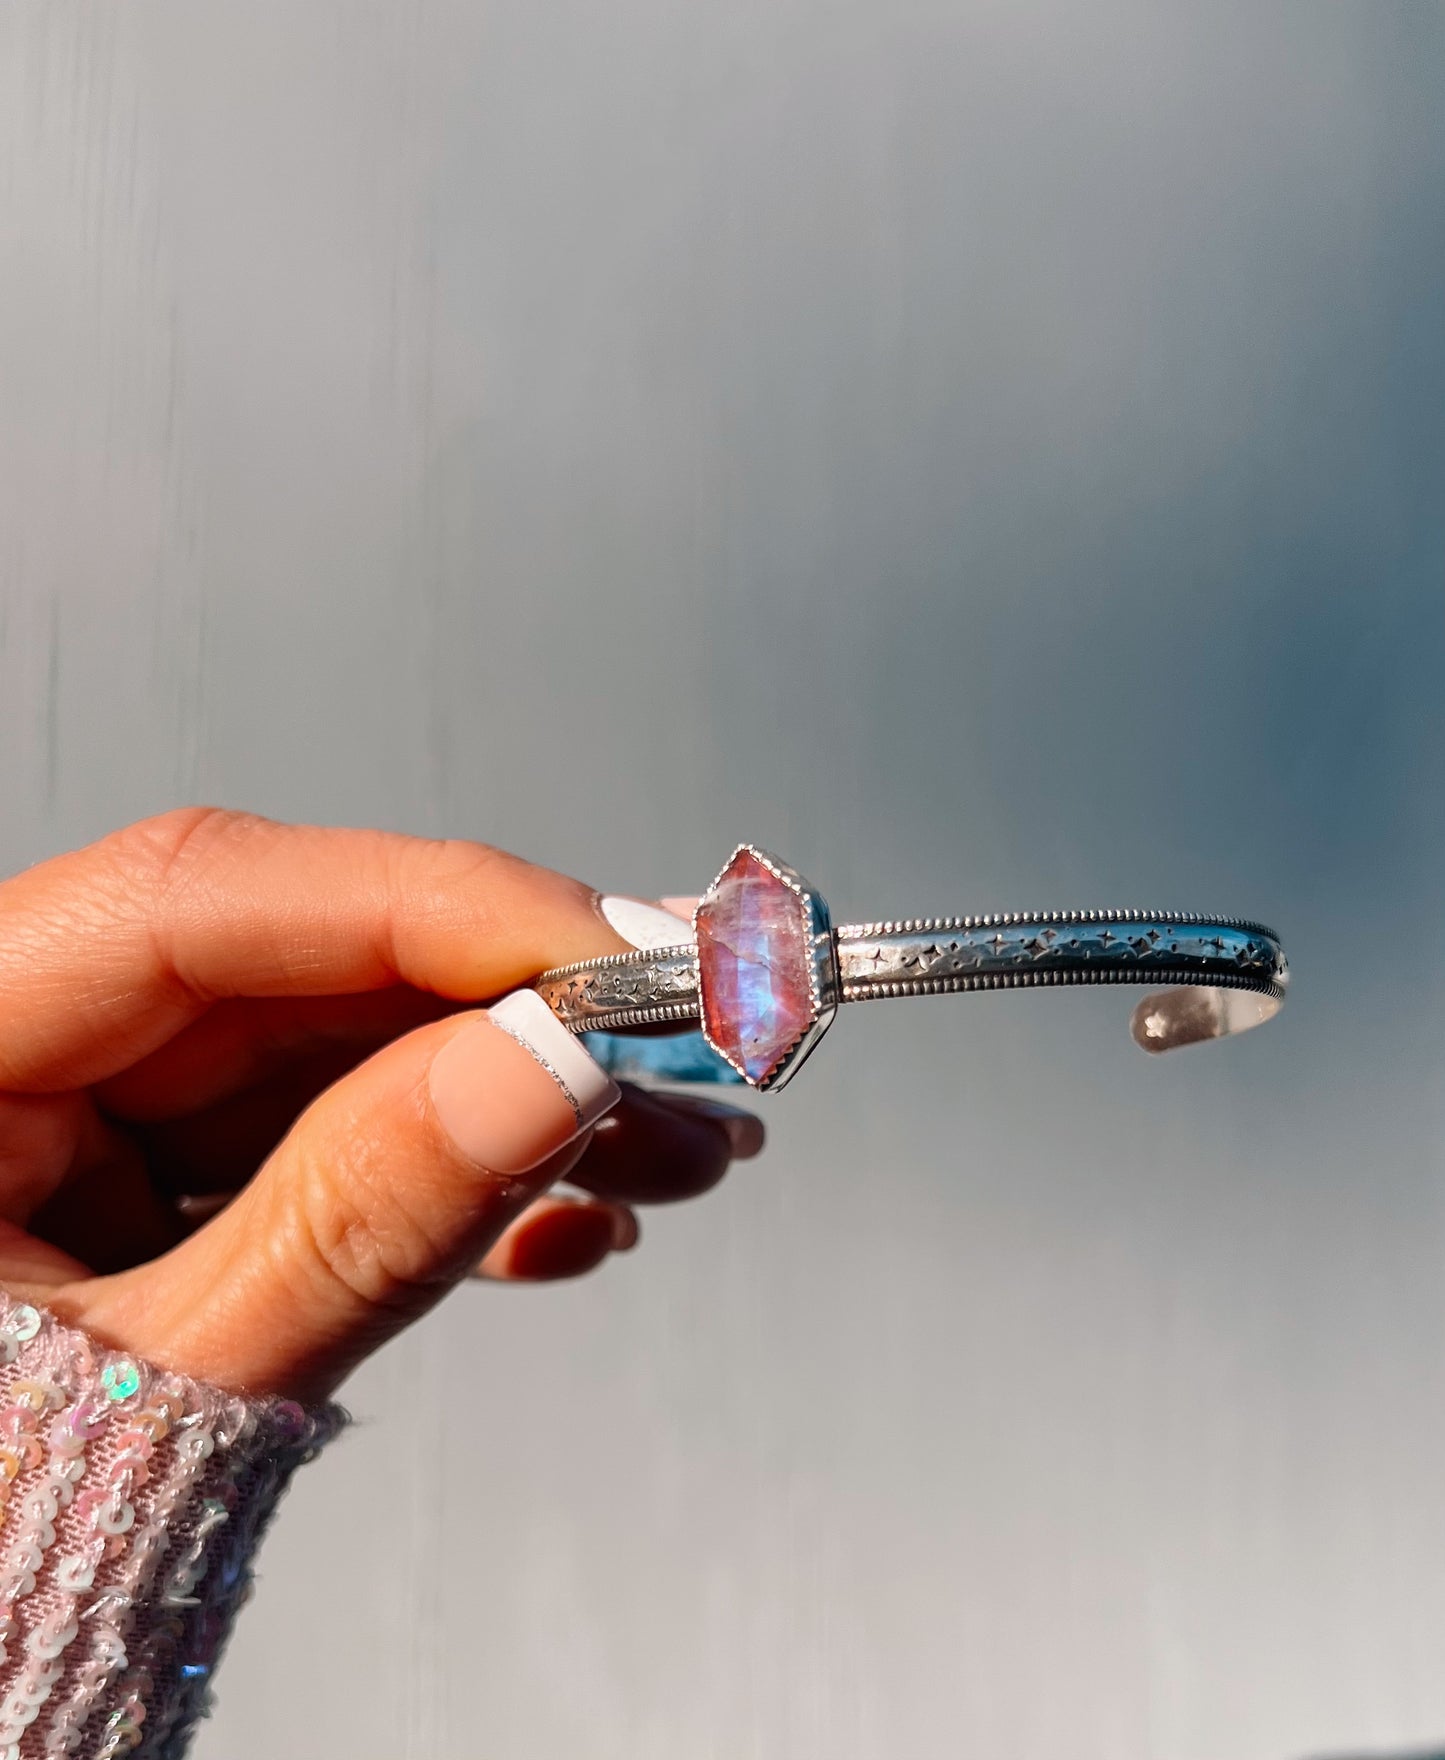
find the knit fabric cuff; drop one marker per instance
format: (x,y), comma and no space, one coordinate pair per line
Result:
(131,1502)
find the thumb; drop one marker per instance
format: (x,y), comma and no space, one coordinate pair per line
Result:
(387,1189)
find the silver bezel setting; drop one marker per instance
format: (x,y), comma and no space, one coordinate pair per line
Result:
(823,981)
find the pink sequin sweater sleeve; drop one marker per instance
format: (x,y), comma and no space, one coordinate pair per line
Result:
(131,1501)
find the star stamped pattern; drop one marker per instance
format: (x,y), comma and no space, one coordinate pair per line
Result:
(624,991)
(914,958)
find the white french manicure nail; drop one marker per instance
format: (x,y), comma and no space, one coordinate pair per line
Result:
(646,926)
(527,1019)
(513,1086)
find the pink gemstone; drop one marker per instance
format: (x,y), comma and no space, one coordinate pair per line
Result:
(753,960)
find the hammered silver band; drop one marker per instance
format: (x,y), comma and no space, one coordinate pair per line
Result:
(936,956)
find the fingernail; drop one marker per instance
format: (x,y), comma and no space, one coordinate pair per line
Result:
(515,1086)
(745,1130)
(565,1242)
(625,1230)
(681,905)
(646,926)
(199,1207)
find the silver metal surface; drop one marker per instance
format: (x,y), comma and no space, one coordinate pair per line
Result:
(1021,949)
(940,955)
(624,990)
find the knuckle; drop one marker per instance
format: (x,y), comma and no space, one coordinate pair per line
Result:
(354,1230)
(164,869)
(474,888)
(152,868)
(166,851)
(104,897)
(450,867)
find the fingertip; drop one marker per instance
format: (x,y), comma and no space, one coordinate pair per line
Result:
(747,1134)
(513,1086)
(560,1238)
(745,1131)
(566,1242)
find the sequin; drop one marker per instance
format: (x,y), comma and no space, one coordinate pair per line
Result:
(115,1651)
(69,1434)
(120,1379)
(75,1574)
(117,1518)
(41,1504)
(52,1643)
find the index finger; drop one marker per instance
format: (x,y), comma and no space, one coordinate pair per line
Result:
(107,952)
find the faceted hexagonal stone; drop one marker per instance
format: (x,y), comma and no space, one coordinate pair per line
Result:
(753,962)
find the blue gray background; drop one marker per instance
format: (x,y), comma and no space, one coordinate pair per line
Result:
(992,455)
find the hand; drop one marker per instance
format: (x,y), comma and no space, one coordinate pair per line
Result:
(209,1003)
